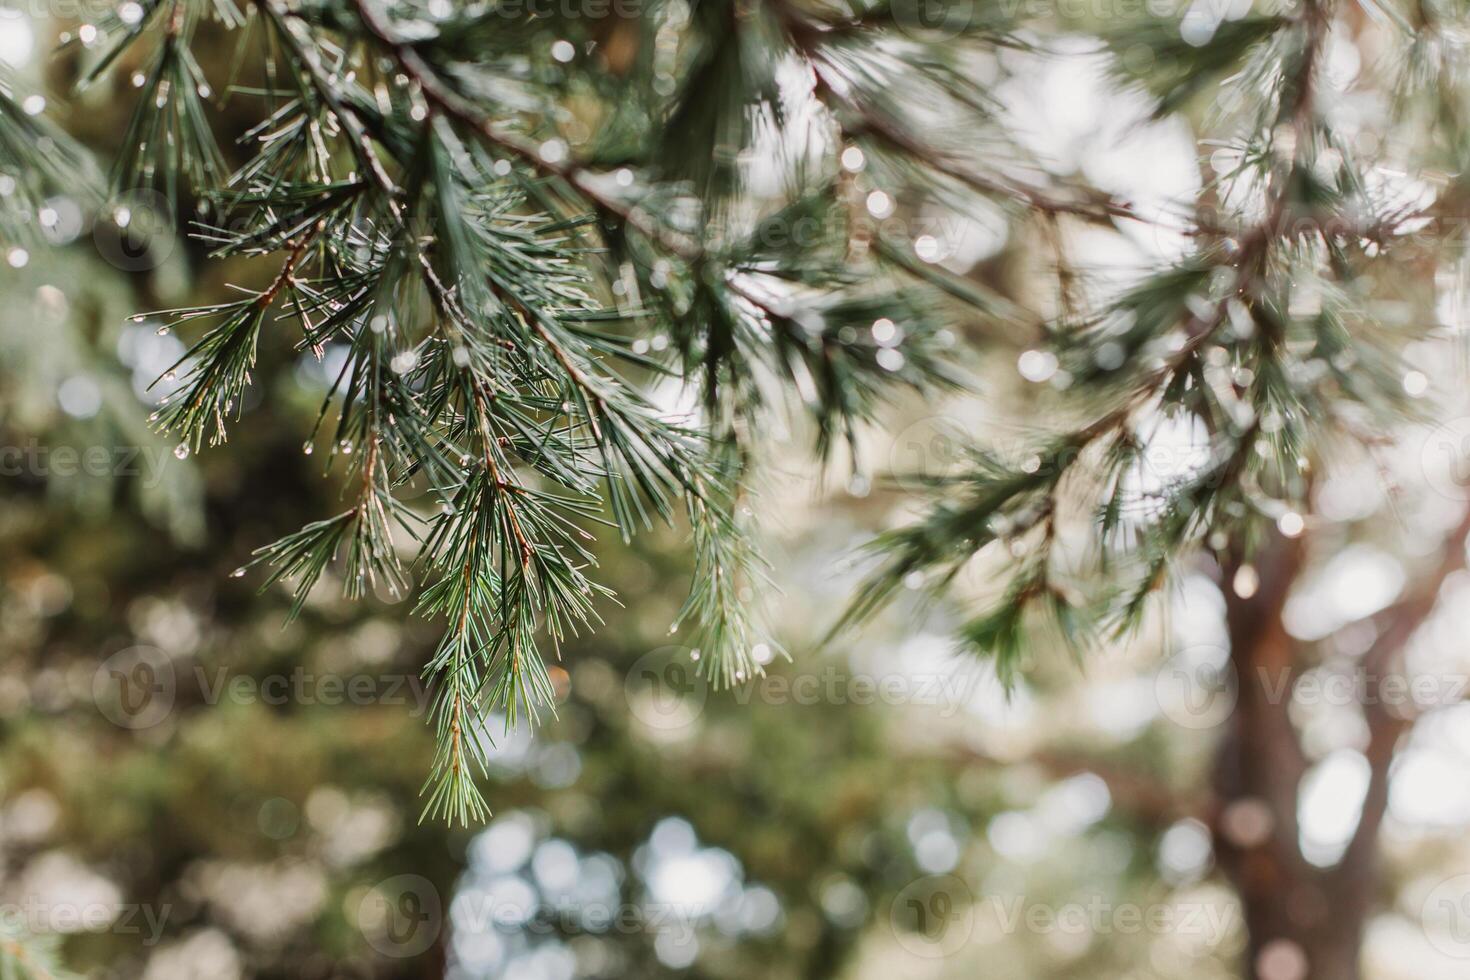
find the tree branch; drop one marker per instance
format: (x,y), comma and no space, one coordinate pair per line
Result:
(1385,727)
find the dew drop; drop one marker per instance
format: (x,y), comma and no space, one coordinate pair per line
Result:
(1247,581)
(307,449)
(181,451)
(238,573)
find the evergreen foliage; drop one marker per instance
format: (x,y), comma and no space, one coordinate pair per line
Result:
(511,283)
(507,292)
(27,957)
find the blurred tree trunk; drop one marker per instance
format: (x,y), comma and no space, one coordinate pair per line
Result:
(1302,920)
(1259,766)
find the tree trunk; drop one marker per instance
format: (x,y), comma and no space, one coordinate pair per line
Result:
(1301,921)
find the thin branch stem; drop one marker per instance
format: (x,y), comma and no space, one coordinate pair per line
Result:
(442,95)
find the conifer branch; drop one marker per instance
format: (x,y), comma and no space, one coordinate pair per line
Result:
(502,269)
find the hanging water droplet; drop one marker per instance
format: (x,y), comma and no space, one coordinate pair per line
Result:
(694,655)
(181,451)
(169,376)
(464,460)
(238,573)
(1247,581)
(162,331)
(446,508)
(307,449)
(674,628)
(345,445)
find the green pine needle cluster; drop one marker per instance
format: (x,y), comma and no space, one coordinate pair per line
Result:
(519,231)
(27,957)
(508,289)
(1268,344)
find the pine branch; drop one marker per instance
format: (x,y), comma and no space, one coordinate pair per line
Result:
(27,957)
(37,158)
(506,243)
(1155,353)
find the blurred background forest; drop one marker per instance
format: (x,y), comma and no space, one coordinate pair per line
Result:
(188,789)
